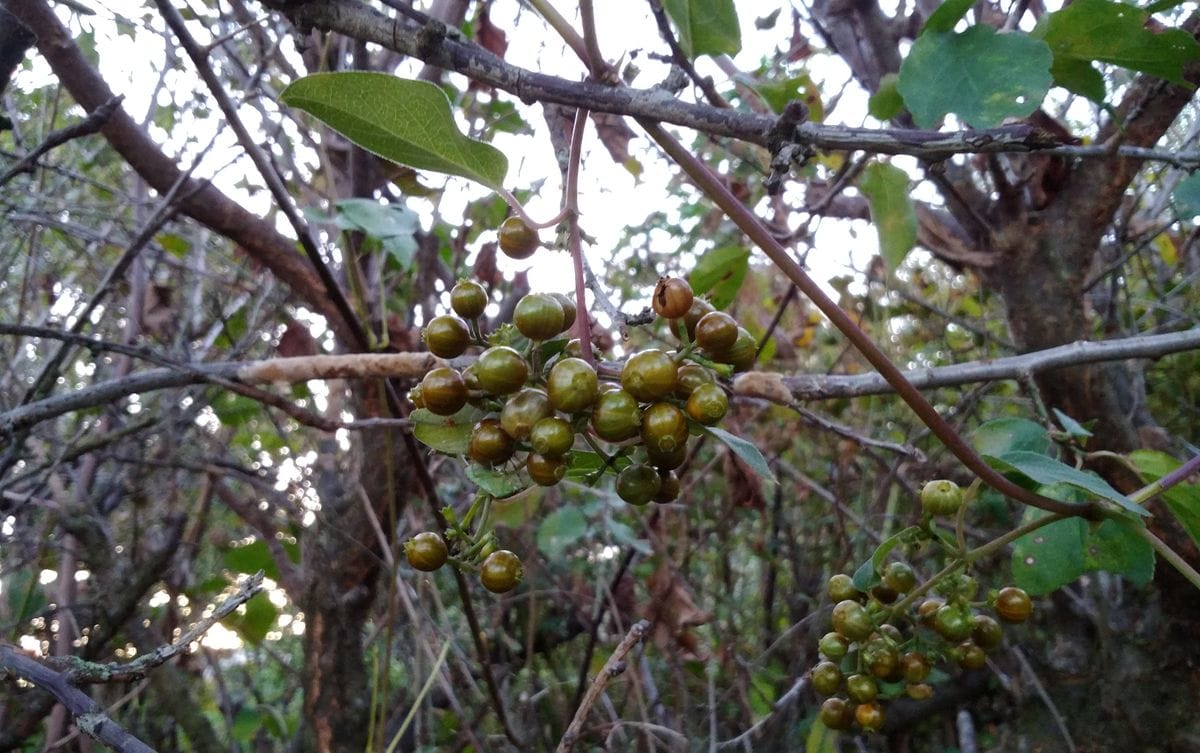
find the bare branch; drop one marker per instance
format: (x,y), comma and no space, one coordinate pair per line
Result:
(89,716)
(786,389)
(94,121)
(613,667)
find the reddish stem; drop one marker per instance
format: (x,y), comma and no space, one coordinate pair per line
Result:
(749,223)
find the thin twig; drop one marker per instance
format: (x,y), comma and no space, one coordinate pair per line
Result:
(613,667)
(1031,676)
(79,671)
(94,121)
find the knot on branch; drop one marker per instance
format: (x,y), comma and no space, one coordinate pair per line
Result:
(786,150)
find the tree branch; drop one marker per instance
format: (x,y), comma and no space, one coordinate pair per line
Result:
(362,22)
(89,716)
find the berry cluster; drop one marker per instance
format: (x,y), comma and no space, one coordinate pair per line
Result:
(882,647)
(539,398)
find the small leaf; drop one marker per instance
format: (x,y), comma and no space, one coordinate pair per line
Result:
(252,625)
(498,483)
(447,434)
(868,573)
(802,87)
(1007,434)
(560,530)
(705,27)
(1114,32)
(979,75)
(251,558)
(1186,197)
(1046,470)
(405,121)
(1183,499)
(947,15)
(744,450)
(719,273)
(886,103)
(887,191)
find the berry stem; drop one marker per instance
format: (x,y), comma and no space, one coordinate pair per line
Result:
(583,327)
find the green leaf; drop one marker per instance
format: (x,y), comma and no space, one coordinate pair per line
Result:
(802,87)
(498,483)
(1186,197)
(1051,556)
(1046,470)
(1078,76)
(744,450)
(252,625)
(1114,32)
(560,530)
(821,739)
(1007,434)
(447,434)
(376,218)
(886,103)
(947,15)
(1183,499)
(1115,547)
(251,558)
(405,121)
(706,27)
(979,75)
(25,598)
(887,192)
(867,574)
(719,273)
(625,536)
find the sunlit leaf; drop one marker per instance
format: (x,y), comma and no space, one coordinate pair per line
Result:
(887,190)
(1183,499)
(947,15)
(406,121)
(979,75)
(744,450)
(1115,32)
(705,27)
(719,273)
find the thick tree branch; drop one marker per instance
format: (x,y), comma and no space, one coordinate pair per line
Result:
(362,22)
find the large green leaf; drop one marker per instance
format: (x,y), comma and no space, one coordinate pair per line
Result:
(1114,546)
(1044,470)
(887,192)
(1183,499)
(251,558)
(560,530)
(719,273)
(1112,32)
(979,75)
(497,482)
(1007,434)
(706,27)
(1051,556)
(408,122)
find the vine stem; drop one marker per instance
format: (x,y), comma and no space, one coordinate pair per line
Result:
(749,223)
(1155,488)
(1170,555)
(583,326)
(978,553)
